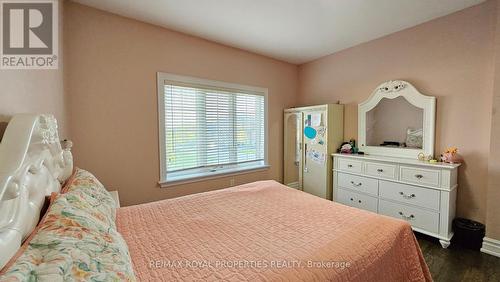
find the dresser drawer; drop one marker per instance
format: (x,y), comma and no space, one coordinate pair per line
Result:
(381,170)
(418,196)
(357,200)
(425,220)
(358,183)
(420,176)
(350,165)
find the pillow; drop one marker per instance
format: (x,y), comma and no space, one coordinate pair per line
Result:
(414,138)
(72,244)
(80,209)
(77,239)
(82,179)
(88,193)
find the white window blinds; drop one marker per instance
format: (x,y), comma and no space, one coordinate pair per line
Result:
(210,127)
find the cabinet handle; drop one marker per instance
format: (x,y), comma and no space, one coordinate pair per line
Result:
(359,201)
(356,184)
(349,165)
(407,196)
(380,170)
(419,176)
(352,199)
(410,217)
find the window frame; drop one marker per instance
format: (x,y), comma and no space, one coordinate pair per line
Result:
(224,170)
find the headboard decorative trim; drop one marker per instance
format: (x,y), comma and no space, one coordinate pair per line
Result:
(33,164)
(48,129)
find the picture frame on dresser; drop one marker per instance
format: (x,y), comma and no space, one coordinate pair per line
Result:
(390,180)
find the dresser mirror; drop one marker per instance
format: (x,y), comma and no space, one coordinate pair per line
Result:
(397,121)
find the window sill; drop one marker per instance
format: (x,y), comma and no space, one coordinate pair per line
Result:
(173,181)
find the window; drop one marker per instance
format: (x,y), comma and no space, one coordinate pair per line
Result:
(210,128)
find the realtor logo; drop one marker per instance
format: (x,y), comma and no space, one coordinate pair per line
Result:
(29,34)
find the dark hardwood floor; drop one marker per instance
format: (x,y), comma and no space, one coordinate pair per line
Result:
(457,263)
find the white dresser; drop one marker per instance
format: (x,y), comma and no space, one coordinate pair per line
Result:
(421,193)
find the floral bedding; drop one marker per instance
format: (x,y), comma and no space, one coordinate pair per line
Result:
(77,239)
(90,193)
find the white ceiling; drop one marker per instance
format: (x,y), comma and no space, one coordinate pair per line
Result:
(295,31)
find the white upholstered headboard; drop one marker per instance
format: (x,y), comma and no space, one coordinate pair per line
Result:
(32,165)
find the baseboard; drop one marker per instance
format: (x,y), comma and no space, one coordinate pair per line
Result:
(491,247)
(294,185)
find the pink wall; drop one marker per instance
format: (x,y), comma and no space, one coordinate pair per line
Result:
(35,91)
(111,65)
(450,58)
(493,212)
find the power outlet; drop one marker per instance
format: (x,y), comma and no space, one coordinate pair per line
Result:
(231,182)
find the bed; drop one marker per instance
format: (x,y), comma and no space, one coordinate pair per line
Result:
(261,231)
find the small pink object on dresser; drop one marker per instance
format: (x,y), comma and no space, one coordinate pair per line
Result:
(451,156)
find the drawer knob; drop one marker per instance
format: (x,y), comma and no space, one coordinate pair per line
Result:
(419,176)
(380,170)
(406,196)
(349,165)
(359,201)
(356,184)
(410,217)
(352,199)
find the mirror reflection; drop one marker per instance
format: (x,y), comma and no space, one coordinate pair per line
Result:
(395,123)
(292,153)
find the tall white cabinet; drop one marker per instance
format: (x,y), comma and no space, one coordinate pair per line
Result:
(311,135)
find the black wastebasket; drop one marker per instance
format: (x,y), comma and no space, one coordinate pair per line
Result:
(468,233)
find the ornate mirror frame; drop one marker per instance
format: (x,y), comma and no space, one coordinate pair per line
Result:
(391,90)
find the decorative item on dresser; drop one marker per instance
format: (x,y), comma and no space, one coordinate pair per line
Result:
(392,180)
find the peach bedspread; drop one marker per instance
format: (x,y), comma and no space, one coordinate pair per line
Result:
(264,231)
